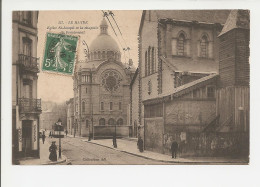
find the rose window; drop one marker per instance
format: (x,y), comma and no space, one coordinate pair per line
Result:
(111,81)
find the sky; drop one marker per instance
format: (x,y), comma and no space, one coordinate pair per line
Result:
(59,88)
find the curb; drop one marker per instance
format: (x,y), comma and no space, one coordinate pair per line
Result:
(148,158)
(57,162)
(166,161)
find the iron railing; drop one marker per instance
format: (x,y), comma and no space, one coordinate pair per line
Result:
(29,62)
(27,105)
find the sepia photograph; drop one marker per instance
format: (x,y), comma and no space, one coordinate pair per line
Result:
(131,87)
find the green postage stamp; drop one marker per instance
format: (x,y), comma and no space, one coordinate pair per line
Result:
(60,53)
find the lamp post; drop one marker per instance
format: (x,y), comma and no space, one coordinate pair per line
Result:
(114,141)
(59,128)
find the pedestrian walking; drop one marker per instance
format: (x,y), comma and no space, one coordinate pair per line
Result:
(114,142)
(53,153)
(140,144)
(50,134)
(174,149)
(66,132)
(43,138)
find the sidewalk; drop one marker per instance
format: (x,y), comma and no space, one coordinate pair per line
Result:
(130,147)
(44,155)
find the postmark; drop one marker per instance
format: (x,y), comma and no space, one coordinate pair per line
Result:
(60,53)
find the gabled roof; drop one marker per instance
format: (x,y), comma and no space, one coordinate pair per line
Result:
(236,19)
(205,16)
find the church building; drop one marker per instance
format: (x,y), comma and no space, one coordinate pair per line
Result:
(177,78)
(101,90)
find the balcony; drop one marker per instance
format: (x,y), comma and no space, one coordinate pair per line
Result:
(29,63)
(27,105)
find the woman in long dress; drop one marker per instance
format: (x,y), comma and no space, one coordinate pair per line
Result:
(53,153)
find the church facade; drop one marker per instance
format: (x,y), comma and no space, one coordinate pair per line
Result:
(101,90)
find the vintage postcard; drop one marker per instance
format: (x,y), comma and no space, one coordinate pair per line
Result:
(127,87)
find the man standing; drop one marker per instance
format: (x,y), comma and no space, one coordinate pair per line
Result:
(114,142)
(43,138)
(140,144)
(174,149)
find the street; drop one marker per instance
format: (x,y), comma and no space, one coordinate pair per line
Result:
(79,152)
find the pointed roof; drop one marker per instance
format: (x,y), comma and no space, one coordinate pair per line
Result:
(236,19)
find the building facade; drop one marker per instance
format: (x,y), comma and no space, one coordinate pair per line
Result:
(178,67)
(51,113)
(26,107)
(193,84)
(101,90)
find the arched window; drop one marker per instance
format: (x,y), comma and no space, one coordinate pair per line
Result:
(153,68)
(95,55)
(204,46)
(83,107)
(87,123)
(149,62)
(102,122)
(99,55)
(120,121)
(181,41)
(146,64)
(111,121)
(86,90)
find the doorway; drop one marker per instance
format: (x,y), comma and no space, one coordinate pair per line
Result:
(26,137)
(135,129)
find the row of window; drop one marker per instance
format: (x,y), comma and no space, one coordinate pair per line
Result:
(205,92)
(110,106)
(111,121)
(85,78)
(182,46)
(104,55)
(102,106)
(150,61)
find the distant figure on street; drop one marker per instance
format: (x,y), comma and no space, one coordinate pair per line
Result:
(140,144)
(50,134)
(43,138)
(174,149)
(66,132)
(53,153)
(114,142)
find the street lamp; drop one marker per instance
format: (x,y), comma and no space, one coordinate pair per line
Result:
(59,129)
(114,141)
